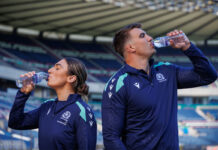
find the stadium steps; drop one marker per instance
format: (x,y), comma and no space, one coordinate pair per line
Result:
(201,113)
(46,48)
(111,50)
(13,57)
(58,57)
(10,54)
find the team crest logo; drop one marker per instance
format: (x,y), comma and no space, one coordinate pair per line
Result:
(160,77)
(66,115)
(64,118)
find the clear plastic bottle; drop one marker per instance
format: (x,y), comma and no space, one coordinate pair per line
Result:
(165,40)
(36,78)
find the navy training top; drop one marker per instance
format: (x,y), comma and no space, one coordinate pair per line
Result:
(68,125)
(139,111)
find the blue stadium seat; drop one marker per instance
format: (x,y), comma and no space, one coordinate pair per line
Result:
(188,114)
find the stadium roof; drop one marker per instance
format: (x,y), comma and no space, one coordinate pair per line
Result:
(97,18)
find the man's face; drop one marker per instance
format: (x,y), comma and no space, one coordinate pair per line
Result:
(142,42)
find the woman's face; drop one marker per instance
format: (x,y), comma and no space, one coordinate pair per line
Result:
(58,74)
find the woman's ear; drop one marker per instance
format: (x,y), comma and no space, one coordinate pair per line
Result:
(71,79)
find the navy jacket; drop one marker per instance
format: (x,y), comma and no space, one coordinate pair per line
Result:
(63,125)
(139,111)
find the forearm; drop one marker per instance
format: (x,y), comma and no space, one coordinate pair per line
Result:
(17,112)
(202,65)
(20,120)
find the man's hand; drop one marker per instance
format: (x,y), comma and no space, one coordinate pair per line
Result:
(28,85)
(181,42)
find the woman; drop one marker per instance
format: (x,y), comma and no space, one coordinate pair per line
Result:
(66,123)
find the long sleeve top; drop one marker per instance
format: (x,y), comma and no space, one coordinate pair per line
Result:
(63,125)
(139,111)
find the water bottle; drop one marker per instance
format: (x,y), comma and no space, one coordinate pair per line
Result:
(36,78)
(165,41)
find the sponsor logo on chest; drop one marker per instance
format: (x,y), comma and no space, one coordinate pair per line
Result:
(136,84)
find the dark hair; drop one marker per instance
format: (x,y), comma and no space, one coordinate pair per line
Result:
(77,68)
(121,37)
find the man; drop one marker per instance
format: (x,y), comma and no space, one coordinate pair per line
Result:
(139,106)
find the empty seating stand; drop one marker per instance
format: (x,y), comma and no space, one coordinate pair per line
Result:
(188,114)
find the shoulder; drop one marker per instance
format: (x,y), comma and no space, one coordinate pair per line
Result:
(164,65)
(117,81)
(84,111)
(115,88)
(81,105)
(48,102)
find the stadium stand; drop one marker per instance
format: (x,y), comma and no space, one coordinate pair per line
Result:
(188,114)
(95,56)
(202,136)
(211,113)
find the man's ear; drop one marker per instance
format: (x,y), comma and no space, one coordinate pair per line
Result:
(71,79)
(130,47)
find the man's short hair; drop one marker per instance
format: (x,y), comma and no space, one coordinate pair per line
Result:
(122,36)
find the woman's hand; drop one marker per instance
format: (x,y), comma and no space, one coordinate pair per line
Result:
(28,84)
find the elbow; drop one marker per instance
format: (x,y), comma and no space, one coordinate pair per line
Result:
(13,126)
(210,74)
(213,77)
(12,123)
(210,78)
